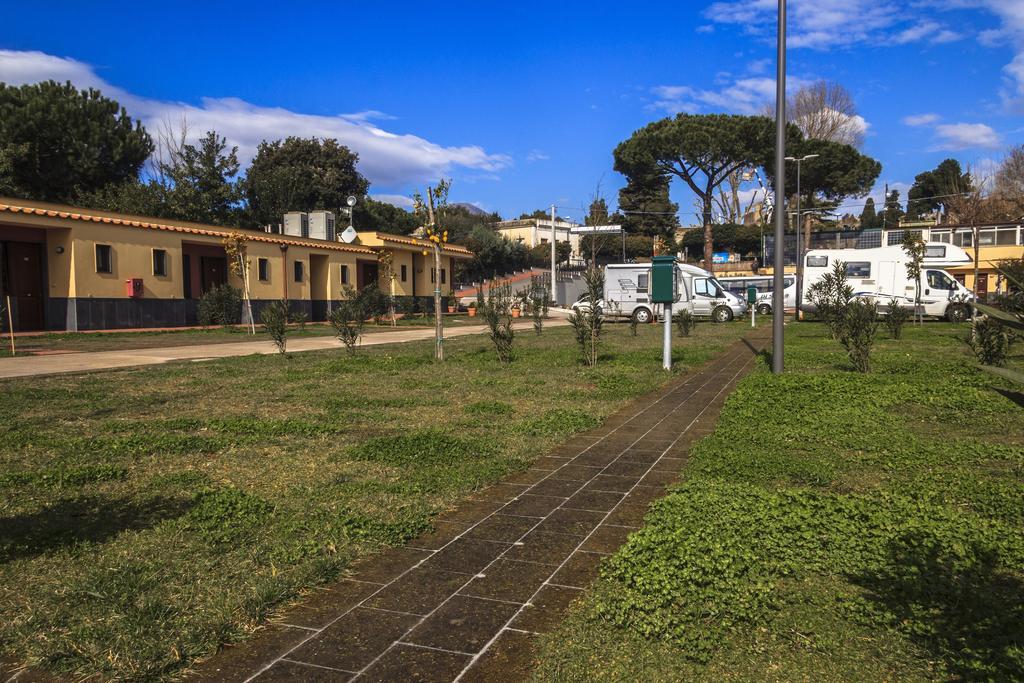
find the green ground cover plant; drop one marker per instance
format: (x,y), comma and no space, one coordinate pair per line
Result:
(148,515)
(835,526)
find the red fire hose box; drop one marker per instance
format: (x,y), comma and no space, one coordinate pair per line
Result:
(134,286)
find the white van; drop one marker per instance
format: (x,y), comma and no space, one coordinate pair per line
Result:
(764,284)
(881,275)
(627,293)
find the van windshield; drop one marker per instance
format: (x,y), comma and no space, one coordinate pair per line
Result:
(938,279)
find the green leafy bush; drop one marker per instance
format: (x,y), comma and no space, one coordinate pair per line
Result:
(275,320)
(896,318)
(856,327)
(222,305)
(685,322)
(830,296)
(498,317)
(348,318)
(990,341)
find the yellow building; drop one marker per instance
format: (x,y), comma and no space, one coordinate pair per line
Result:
(996,242)
(67,268)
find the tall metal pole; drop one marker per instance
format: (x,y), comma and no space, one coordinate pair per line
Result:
(780,191)
(554,294)
(799,249)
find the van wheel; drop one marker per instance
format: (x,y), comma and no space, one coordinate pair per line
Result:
(642,316)
(764,309)
(722,314)
(957,313)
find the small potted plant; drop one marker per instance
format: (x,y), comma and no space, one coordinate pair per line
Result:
(516,311)
(453,303)
(471,309)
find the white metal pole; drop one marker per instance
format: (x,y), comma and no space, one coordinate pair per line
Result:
(554,294)
(666,354)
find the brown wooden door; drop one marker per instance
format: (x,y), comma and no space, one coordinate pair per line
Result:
(981,288)
(25,285)
(215,272)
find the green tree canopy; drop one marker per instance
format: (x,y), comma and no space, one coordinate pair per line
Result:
(201,182)
(839,171)
(301,174)
(868,217)
(927,193)
(57,141)
(893,213)
(371,214)
(701,150)
(493,255)
(646,205)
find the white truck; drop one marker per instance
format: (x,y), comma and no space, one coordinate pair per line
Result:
(880,274)
(627,293)
(764,284)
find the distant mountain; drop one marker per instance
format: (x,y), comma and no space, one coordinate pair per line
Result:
(471,209)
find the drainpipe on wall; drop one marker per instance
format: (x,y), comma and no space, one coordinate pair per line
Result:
(284,271)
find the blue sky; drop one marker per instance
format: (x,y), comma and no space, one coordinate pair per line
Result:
(522,105)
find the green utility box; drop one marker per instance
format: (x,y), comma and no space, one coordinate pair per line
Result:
(664,279)
(751,295)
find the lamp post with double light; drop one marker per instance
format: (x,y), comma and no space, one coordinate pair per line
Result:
(799,231)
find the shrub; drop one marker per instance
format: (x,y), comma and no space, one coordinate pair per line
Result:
(538,300)
(990,341)
(896,318)
(300,318)
(857,325)
(830,295)
(497,314)
(633,323)
(222,305)
(588,322)
(685,322)
(347,318)
(374,302)
(275,321)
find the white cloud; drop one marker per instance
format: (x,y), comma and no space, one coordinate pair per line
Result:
(825,24)
(743,96)
(399,200)
(956,136)
(921,119)
(537,155)
(386,158)
(706,28)
(925,31)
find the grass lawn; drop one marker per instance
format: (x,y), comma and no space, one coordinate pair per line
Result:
(835,527)
(148,515)
(116,341)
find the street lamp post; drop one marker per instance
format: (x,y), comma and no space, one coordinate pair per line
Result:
(554,295)
(780,187)
(799,230)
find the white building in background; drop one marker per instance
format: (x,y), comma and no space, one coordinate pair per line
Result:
(534,232)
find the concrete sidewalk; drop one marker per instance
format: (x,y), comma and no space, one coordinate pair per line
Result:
(90,361)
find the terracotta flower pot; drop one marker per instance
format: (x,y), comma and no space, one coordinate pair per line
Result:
(451,309)
(516,312)
(471,312)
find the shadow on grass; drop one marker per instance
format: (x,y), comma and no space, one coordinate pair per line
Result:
(961,606)
(1015,396)
(81,520)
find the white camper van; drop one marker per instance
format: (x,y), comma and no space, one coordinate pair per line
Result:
(627,293)
(764,284)
(881,274)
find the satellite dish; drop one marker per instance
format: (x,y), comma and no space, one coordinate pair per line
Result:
(351,201)
(348,235)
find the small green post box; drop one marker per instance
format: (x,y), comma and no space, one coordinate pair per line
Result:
(664,276)
(751,295)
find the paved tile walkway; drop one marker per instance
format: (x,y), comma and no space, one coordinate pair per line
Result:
(466,601)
